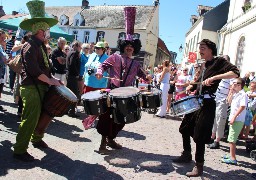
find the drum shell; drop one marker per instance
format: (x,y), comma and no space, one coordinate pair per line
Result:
(151,101)
(186,105)
(95,107)
(56,104)
(126,110)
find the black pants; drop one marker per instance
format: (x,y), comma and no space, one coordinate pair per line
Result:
(72,84)
(107,127)
(199,126)
(12,79)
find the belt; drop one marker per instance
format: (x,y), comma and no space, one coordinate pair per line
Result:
(207,96)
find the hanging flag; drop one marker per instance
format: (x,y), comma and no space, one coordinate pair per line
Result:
(192,57)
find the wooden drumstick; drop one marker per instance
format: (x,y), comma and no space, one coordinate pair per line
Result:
(112,78)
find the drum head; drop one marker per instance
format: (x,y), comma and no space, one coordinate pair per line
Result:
(153,91)
(92,95)
(67,93)
(124,92)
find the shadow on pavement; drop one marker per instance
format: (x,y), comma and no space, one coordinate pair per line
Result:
(65,131)
(140,161)
(132,135)
(210,173)
(56,163)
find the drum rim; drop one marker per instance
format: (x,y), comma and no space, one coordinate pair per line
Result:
(185,98)
(92,99)
(124,96)
(71,100)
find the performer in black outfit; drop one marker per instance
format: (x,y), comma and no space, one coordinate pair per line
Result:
(199,123)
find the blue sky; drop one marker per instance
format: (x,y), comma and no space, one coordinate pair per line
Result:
(174,16)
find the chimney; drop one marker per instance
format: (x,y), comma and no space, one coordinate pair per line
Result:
(14,13)
(85,4)
(156,2)
(2,13)
(203,9)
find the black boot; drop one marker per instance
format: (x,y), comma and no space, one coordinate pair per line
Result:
(103,149)
(196,171)
(185,157)
(214,145)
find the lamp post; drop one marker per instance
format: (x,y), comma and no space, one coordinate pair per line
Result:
(180,50)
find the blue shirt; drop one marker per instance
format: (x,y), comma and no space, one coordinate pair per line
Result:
(93,63)
(84,59)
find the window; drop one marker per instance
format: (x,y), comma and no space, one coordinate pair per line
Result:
(122,35)
(86,36)
(75,34)
(240,53)
(100,36)
(76,22)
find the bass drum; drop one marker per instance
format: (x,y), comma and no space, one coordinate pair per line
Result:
(125,103)
(151,99)
(95,102)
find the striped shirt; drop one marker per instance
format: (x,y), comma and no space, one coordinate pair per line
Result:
(114,64)
(223,89)
(9,46)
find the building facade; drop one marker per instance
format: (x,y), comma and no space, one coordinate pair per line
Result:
(205,26)
(237,37)
(97,23)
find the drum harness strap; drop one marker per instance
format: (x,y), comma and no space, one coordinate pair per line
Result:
(201,96)
(122,83)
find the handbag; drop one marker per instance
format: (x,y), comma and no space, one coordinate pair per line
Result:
(16,64)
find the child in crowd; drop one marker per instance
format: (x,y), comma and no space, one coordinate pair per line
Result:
(238,100)
(249,110)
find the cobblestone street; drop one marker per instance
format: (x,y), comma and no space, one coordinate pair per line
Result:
(149,146)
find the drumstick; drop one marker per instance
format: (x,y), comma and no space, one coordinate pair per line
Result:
(194,83)
(112,78)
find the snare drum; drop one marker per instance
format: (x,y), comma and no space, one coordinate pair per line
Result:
(125,103)
(58,100)
(95,102)
(151,99)
(186,105)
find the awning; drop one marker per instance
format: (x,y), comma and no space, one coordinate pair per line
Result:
(13,24)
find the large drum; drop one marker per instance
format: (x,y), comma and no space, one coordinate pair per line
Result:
(125,102)
(58,100)
(95,102)
(151,99)
(186,105)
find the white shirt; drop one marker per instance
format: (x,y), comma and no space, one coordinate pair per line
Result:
(239,99)
(251,101)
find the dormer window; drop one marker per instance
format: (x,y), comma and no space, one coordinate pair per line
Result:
(64,20)
(122,35)
(136,36)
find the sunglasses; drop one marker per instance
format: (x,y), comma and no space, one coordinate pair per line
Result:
(98,48)
(66,49)
(196,67)
(185,70)
(107,47)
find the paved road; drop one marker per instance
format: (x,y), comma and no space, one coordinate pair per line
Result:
(149,147)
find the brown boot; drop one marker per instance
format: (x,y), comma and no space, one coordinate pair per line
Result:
(103,149)
(185,157)
(111,143)
(197,170)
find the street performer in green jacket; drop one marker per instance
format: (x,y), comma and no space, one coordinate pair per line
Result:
(36,78)
(199,123)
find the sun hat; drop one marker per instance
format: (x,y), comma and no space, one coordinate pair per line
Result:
(38,19)
(100,45)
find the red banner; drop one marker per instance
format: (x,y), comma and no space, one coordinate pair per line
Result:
(192,57)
